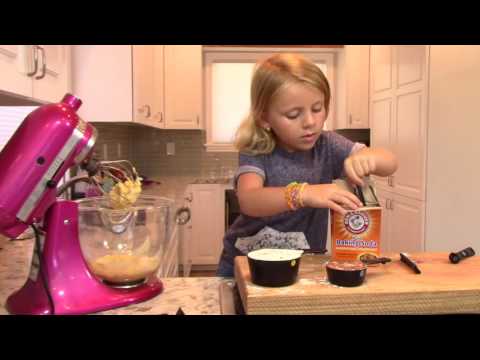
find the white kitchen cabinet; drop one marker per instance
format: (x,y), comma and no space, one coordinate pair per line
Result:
(207,223)
(145,79)
(183,86)
(54,68)
(114,82)
(424,102)
(12,80)
(357,63)
(383,199)
(398,121)
(154,85)
(403,223)
(40,72)
(398,114)
(168,85)
(102,79)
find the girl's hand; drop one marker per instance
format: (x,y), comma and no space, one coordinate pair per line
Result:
(359,165)
(330,196)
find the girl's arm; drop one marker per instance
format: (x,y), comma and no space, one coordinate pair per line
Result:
(368,161)
(258,201)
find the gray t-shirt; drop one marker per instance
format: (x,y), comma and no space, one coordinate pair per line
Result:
(305,228)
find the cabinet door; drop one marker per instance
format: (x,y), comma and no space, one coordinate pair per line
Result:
(183,86)
(381,123)
(208,223)
(53,78)
(102,79)
(407,219)
(381,69)
(143,83)
(399,112)
(158,76)
(12,80)
(409,138)
(381,101)
(385,199)
(357,65)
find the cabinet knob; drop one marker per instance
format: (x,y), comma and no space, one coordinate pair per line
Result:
(350,120)
(182,215)
(198,120)
(145,108)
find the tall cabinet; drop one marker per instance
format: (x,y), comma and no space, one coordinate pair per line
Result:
(424,107)
(398,120)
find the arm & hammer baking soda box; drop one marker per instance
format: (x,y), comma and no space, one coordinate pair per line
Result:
(356,235)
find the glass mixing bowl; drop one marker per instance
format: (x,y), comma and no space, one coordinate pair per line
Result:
(124,247)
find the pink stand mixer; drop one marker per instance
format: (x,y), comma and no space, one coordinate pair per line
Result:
(51,140)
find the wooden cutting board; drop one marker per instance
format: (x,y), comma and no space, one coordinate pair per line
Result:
(391,288)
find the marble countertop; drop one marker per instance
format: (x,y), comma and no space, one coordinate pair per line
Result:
(195,295)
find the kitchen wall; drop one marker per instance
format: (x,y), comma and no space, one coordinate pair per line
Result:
(146,148)
(452,182)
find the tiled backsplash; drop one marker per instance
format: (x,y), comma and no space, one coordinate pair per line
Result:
(146,148)
(110,138)
(190,157)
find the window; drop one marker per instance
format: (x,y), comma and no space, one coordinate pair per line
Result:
(10,119)
(227,77)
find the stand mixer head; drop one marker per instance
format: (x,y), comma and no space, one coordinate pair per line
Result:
(51,140)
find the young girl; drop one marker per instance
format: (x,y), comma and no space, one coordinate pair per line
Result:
(287,163)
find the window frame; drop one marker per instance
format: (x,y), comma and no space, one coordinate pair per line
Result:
(212,55)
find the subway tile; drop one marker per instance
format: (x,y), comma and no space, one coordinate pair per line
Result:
(146,148)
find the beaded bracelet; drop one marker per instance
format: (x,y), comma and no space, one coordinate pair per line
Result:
(293,192)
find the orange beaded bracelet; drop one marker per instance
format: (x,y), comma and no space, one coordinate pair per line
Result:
(293,192)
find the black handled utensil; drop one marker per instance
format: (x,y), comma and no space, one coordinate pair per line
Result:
(376,260)
(410,263)
(456,257)
(317,252)
(359,192)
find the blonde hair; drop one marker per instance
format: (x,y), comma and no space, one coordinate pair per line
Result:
(270,76)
